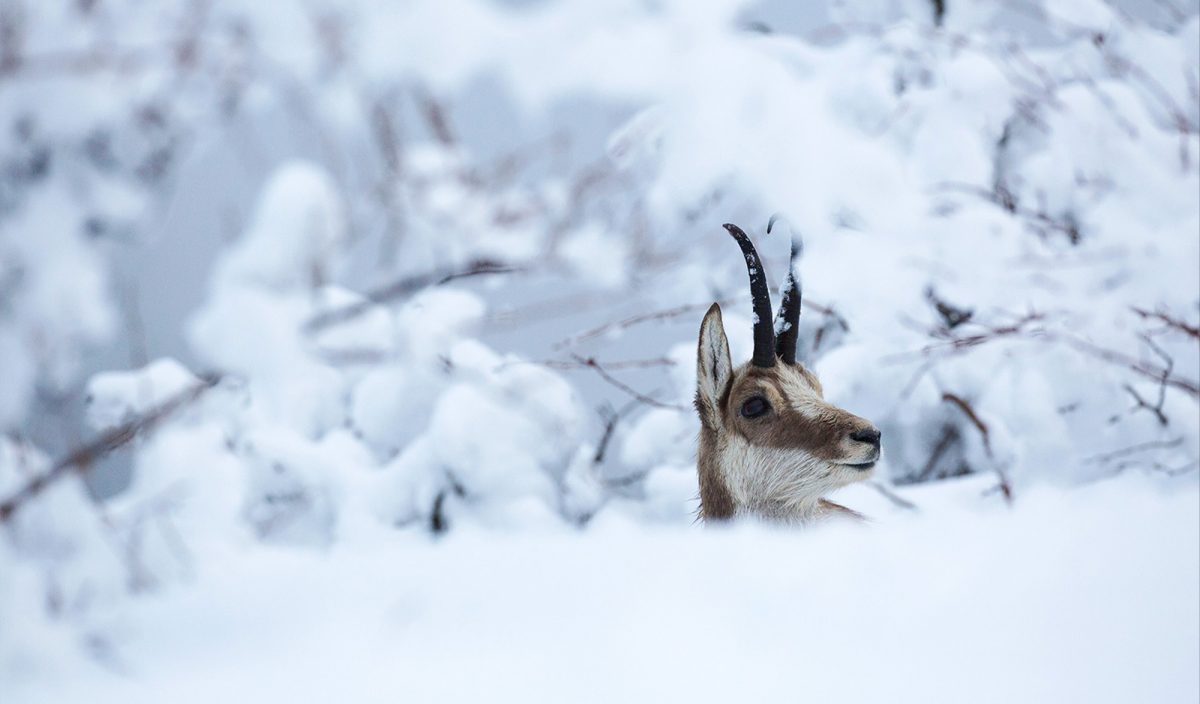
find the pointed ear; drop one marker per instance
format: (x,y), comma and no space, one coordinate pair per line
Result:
(713,366)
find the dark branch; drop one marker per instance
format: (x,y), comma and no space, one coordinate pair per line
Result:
(611,418)
(1170,321)
(620,364)
(892,496)
(1135,449)
(963,405)
(629,322)
(84,457)
(403,288)
(632,392)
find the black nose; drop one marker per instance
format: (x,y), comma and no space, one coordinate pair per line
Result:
(868,435)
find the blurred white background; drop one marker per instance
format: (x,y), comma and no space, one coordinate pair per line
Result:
(419,284)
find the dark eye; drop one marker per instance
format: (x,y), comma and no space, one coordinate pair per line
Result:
(755,407)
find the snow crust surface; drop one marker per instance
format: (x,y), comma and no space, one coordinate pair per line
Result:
(1085,595)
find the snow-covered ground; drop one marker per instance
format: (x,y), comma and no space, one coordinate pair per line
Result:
(1072,595)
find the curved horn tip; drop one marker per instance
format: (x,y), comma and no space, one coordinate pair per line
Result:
(764,333)
(787,322)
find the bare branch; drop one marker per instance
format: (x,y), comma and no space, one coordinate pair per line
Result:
(1025,328)
(963,405)
(436,117)
(620,364)
(631,321)
(892,496)
(1039,220)
(951,315)
(610,425)
(634,393)
(84,457)
(952,342)
(1134,449)
(1168,320)
(403,288)
(1146,369)
(1141,403)
(949,437)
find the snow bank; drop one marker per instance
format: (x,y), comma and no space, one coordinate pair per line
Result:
(1086,595)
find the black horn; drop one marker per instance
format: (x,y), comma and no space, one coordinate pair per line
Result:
(764,336)
(787,323)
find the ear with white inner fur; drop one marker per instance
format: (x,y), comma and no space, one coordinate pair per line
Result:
(713,366)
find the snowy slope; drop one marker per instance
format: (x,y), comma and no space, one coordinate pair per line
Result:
(1086,595)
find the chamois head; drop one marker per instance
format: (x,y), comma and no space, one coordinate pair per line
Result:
(770,446)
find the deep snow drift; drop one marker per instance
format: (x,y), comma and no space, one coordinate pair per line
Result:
(1083,595)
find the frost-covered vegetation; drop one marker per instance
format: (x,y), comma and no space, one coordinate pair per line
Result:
(347,348)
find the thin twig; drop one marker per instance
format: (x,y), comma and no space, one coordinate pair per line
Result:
(610,425)
(84,457)
(1156,409)
(1038,219)
(950,342)
(649,401)
(963,405)
(629,322)
(1170,321)
(950,436)
(1134,449)
(892,496)
(1146,369)
(565,365)
(402,288)
(1021,329)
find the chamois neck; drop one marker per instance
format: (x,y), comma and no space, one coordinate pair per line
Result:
(720,501)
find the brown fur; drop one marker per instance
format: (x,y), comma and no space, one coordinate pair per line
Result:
(716,501)
(784,427)
(775,465)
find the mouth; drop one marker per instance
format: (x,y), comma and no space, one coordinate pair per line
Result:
(862,466)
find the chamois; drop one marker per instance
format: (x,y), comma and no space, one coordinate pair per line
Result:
(770,445)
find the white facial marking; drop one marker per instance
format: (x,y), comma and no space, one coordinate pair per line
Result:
(786,483)
(803,397)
